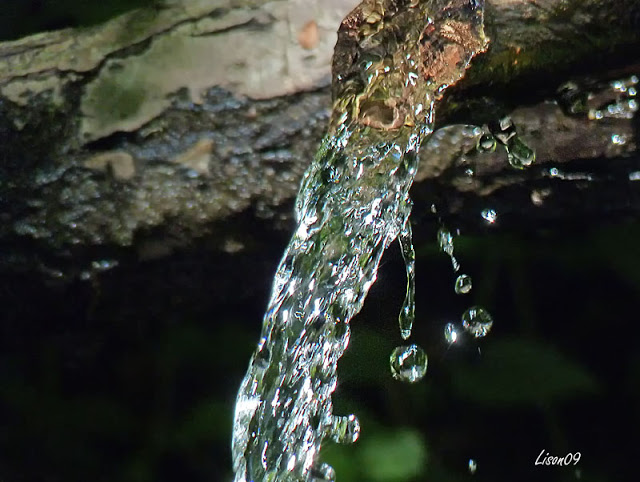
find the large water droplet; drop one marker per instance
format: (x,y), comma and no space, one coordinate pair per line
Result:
(408,310)
(520,155)
(486,143)
(451,333)
(463,284)
(408,363)
(345,430)
(477,321)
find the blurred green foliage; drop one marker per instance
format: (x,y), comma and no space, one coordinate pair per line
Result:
(19,18)
(515,371)
(383,455)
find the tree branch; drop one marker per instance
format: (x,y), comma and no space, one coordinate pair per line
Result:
(155,128)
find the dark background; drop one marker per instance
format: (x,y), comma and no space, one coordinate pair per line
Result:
(23,17)
(131,374)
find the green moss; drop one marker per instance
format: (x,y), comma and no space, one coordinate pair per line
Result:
(114,100)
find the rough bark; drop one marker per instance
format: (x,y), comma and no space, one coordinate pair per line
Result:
(162,126)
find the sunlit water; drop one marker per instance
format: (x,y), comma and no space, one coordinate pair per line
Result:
(353,202)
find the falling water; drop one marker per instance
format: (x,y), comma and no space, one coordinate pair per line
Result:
(392,61)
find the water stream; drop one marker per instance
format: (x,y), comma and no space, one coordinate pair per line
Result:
(392,62)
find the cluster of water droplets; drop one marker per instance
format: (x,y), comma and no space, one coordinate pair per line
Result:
(475,320)
(409,363)
(626,103)
(615,104)
(488,140)
(575,99)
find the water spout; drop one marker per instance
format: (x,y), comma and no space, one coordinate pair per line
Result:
(393,60)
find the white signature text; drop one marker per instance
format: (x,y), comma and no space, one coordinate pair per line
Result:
(544,458)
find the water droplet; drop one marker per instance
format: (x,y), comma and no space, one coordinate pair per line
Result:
(450,333)
(477,321)
(486,143)
(408,310)
(469,172)
(503,130)
(408,363)
(104,264)
(463,284)
(345,430)
(595,114)
(445,240)
(572,99)
(618,139)
(322,473)
(473,466)
(619,86)
(455,264)
(489,215)
(519,154)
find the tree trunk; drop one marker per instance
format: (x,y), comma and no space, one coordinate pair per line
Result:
(164,125)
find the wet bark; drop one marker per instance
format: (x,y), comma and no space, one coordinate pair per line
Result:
(194,121)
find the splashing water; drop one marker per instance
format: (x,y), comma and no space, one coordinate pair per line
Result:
(392,61)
